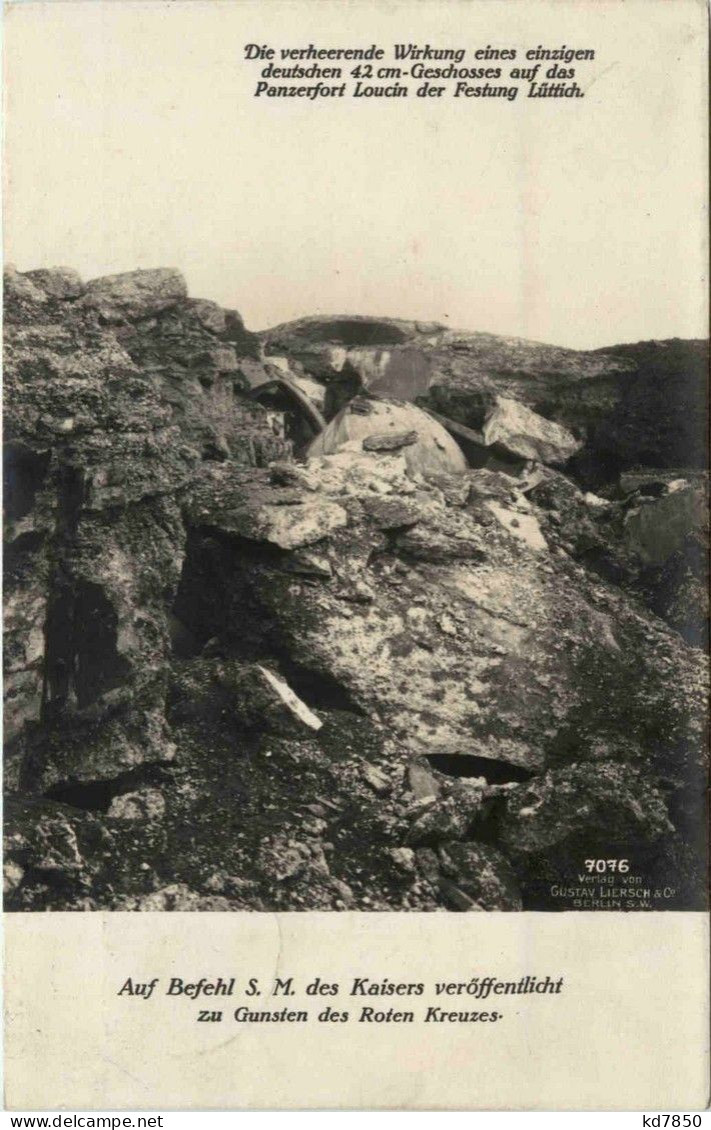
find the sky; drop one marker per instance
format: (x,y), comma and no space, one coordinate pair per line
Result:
(132,139)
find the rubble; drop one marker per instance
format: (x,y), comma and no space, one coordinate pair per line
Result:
(638,405)
(658,527)
(378,678)
(145,804)
(482,873)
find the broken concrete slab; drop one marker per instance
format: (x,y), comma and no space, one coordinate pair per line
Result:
(523,433)
(291,702)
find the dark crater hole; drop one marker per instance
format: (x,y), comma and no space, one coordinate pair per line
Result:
(317,690)
(96,796)
(463,765)
(353,331)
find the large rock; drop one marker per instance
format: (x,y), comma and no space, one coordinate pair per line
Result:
(284,703)
(667,536)
(482,873)
(134,294)
(249,696)
(18,289)
(91,461)
(653,542)
(524,433)
(96,453)
(455,632)
(283,518)
(550,828)
(592,805)
(195,355)
(657,528)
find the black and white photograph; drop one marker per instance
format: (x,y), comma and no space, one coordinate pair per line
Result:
(355,571)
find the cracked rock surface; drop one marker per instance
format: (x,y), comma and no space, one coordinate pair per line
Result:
(381,677)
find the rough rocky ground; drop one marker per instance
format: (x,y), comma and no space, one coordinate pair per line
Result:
(375,676)
(633,405)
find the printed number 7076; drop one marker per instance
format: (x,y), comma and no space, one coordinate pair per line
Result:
(601,865)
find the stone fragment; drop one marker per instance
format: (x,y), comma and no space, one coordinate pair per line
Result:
(455,897)
(290,528)
(392,513)
(424,543)
(428,864)
(282,858)
(524,433)
(357,474)
(421,783)
(448,819)
(525,527)
(290,702)
(404,859)
(389,441)
(19,287)
(56,846)
(455,488)
(376,778)
(42,835)
(657,528)
(345,899)
(253,696)
(286,523)
(13,874)
(144,804)
(482,873)
(447,625)
(602,802)
(485,483)
(595,502)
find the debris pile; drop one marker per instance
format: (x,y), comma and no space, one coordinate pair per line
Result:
(405,663)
